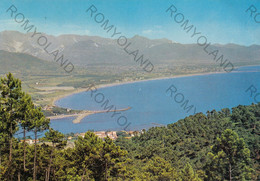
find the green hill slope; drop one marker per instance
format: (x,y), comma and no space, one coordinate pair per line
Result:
(24,64)
(190,139)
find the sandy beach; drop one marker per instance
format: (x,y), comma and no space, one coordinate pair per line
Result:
(85,113)
(128,82)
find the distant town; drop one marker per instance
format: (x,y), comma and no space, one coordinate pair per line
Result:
(71,137)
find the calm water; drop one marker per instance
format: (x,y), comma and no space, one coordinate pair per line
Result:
(151,105)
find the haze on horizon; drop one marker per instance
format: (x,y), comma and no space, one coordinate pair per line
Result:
(222,22)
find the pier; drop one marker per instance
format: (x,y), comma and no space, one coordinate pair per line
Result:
(83,114)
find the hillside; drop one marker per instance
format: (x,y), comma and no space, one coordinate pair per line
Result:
(190,139)
(217,146)
(92,50)
(25,64)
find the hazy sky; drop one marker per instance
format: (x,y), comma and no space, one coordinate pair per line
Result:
(221,21)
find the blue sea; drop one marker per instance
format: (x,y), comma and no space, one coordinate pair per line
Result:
(152,105)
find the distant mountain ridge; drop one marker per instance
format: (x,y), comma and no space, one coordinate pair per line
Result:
(93,50)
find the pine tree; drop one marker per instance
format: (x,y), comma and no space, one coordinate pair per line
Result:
(57,140)
(97,159)
(158,168)
(25,107)
(188,174)
(11,93)
(111,159)
(39,124)
(229,159)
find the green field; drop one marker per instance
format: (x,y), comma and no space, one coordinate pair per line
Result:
(47,81)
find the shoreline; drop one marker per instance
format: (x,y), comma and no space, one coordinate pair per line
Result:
(78,117)
(130,82)
(85,113)
(101,86)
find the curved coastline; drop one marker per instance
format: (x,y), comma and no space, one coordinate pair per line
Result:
(84,113)
(130,82)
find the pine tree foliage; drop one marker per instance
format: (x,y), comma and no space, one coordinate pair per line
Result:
(198,147)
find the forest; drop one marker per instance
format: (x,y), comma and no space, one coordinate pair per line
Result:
(218,145)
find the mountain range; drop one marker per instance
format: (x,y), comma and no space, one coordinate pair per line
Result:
(93,50)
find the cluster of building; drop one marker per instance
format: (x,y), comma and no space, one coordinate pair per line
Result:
(101,134)
(30,141)
(111,134)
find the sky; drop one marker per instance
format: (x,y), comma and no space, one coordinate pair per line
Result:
(221,21)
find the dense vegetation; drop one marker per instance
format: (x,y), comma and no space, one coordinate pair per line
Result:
(217,146)
(201,141)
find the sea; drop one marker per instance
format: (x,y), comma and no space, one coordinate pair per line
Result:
(160,102)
